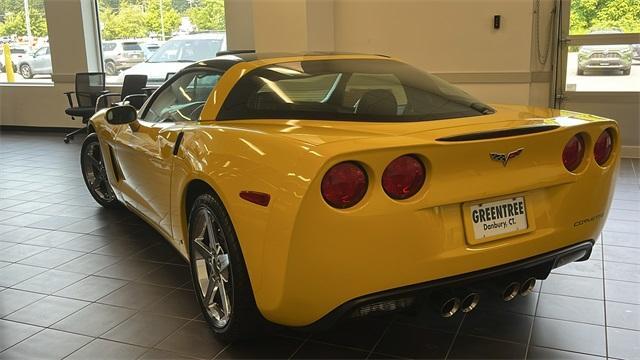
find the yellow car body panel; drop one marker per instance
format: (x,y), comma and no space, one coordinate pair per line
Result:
(306,258)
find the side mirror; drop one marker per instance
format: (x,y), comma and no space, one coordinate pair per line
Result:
(119,115)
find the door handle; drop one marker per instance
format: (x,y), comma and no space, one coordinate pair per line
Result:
(176,146)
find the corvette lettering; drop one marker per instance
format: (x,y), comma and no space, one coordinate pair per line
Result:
(587,220)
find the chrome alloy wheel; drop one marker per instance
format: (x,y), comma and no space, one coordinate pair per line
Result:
(212,267)
(96,173)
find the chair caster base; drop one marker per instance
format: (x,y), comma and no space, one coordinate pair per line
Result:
(67,139)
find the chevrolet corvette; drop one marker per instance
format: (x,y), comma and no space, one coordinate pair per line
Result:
(308,189)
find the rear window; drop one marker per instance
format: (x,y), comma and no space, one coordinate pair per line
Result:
(131,47)
(350,89)
(108,46)
(18,51)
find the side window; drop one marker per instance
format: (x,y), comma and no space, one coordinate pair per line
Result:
(183,99)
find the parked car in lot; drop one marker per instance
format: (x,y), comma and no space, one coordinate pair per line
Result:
(121,55)
(150,48)
(605,57)
(636,51)
(37,64)
(17,54)
(177,53)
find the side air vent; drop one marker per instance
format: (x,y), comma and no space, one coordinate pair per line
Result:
(494,134)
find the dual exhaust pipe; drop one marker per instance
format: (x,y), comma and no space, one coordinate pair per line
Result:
(515,288)
(448,304)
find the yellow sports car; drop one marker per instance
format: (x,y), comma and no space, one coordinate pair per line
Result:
(305,189)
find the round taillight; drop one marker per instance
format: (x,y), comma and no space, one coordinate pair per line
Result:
(403,177)
(573,153)
(603,147)
(344,185)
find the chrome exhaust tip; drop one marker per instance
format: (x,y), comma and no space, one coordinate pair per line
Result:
(450,307)
(527,286)
(470,302)
(511,291)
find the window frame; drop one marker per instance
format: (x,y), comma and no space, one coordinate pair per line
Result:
(167,84)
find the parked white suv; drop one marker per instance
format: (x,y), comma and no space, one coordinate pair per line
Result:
(177,53)
(120,55)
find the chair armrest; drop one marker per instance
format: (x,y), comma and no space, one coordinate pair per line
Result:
(128,98)
(68,93)
(102,100)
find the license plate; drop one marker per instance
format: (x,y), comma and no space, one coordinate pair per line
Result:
(498,218)
(604,64)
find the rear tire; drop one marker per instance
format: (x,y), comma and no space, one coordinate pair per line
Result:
(626,72)
(580,71)
(218,271)
(110,68)
(95,174)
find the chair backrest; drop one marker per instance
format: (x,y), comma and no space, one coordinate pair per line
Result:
(88,87)
(133,84)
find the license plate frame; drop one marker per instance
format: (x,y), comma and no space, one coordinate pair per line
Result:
(471,231)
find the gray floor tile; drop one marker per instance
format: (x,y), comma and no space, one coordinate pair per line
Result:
(15,273)
(100,349)
(91,288)
(12,333)
(12,300)
(195,339)
(136,295)
(94,319)
(413,342)
(623,343)
(129,269)
(47,344)
(471,347)
(144,329)
(571,308)
(569,336)
(52,238)
(89,264)
(262,348)
(623,315)
(498,325)
(622,291)
(51,258)
(18,252)
(578,286)
(179,303)
(47,311)
(49,281)
(540,353)
(622,271)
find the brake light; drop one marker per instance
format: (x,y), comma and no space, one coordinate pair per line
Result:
(603,147)
(573,153)
(403,177)
(344,185)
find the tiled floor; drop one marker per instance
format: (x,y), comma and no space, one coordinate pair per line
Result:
(80,282)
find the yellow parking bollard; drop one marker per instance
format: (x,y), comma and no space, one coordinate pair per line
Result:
(8,65)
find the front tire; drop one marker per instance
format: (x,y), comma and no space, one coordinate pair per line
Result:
(626,72)
(25,71)
(94,172)
(218,272)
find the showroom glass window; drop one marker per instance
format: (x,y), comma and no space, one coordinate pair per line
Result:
(23,28)
(602,50)
(157,38)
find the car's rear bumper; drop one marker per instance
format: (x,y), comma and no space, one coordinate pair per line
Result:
(605,64)
(484,282)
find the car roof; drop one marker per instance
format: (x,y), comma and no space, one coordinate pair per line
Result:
(205,35)
(224,62)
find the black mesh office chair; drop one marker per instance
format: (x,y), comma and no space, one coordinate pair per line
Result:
(89,87)
(132,91)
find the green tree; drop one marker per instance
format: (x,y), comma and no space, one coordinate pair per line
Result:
(170,17)
(127,22)
(208,15)
(14,23)
(588,15)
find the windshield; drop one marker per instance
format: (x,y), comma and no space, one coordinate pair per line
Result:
(186,50)
(353,89)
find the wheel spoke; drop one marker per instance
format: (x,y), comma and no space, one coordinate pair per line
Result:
(223,260)
(226,306)
(203,249)
(212,289)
